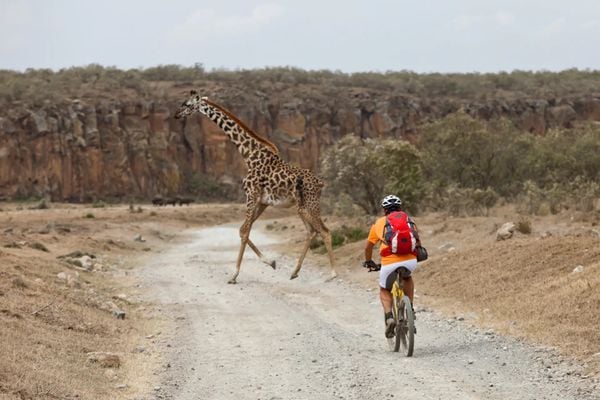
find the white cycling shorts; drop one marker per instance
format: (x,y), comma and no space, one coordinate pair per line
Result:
(386,270)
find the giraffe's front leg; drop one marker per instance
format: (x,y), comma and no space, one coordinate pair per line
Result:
(244,237)
(232,280)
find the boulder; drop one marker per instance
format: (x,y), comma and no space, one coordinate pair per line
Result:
(506,231)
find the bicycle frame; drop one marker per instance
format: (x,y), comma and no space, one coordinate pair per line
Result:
(404,332)
(401,305)
(397,290)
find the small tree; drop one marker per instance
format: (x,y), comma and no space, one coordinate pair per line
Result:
(349,168)
(365,171)
(400,164)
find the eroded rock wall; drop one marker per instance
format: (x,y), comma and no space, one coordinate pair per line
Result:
(90,149)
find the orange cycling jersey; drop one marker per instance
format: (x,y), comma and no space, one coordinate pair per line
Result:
(376,235)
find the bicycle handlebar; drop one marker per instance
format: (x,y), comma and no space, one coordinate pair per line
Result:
(371,266)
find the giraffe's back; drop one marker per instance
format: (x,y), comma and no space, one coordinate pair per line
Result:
(282,184)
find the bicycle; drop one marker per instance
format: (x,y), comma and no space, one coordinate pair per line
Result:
(404,317)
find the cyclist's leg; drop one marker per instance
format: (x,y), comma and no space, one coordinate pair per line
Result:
(386,299)
(409,288)
(386,278)
(385,295)
(388,316)
(408,282)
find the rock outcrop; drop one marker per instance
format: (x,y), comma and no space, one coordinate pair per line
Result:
(89,148)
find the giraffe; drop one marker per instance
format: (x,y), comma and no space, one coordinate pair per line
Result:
(270,181)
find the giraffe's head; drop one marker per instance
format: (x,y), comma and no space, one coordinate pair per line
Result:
(190,106)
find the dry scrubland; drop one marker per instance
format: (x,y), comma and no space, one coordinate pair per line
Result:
(524,287)
(49,326)
(527,287)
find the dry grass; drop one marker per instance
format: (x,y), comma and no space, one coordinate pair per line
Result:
(523,287)
(526,288)
(47,326)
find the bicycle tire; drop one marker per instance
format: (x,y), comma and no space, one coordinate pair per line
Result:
(397,311)
(405,331)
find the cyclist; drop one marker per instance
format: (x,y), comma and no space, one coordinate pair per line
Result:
(390,262)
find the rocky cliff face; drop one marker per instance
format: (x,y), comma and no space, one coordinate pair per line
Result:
(91,149)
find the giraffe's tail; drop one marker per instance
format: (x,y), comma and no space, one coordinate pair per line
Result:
(300,189)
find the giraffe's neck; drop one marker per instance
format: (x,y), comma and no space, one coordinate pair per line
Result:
(252,147)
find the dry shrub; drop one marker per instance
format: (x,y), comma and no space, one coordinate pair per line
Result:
(524,226)
(580,195)
(462,201)
(19,283)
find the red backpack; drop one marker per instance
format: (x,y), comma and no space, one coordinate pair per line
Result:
(398,235)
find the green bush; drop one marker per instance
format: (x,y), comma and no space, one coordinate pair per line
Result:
(495,159)
(463,151)
(339,237)
(353,234)
(367,170)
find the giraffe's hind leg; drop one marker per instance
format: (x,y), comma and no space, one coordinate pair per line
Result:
(326,235)
(314,225)
(309,237)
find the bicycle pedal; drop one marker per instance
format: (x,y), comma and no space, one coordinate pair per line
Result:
(390,328)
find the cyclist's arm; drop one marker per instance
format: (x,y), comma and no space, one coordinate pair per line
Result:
(372,240)
(369,251)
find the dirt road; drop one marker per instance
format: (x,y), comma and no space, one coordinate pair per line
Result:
(271,338)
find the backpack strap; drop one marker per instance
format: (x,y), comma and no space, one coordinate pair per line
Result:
(413,228)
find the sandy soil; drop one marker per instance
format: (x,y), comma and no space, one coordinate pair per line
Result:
(54,314)
(271,338)
(188,334)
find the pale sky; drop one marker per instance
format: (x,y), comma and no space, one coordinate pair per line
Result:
(345,35)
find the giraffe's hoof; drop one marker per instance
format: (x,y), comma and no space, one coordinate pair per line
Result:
(270,263)
(294,276)
(232,281)
(332,277)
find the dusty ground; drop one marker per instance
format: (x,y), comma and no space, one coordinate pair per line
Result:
(187,334)
(525,287)
(272,338)
(49,323)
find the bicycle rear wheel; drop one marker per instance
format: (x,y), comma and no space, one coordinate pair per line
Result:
(405,327)
(394,342)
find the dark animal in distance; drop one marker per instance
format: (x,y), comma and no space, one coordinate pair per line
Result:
(181,200)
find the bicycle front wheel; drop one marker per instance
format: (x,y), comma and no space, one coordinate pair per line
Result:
(405,327)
